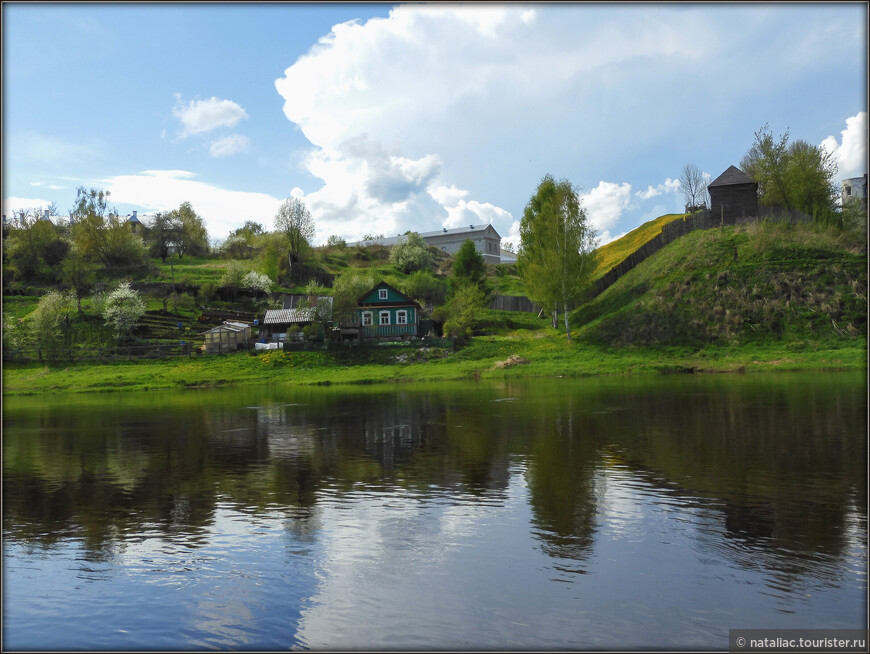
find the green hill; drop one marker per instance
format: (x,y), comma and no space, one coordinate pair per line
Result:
(617,251)
(735,286)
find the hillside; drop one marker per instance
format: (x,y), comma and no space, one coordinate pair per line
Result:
(735,286)
(617,251)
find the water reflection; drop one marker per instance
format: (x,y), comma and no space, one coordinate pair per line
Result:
(433,490)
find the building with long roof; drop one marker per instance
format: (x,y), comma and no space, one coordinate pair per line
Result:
(485,239)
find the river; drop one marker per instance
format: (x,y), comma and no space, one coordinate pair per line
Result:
(604,513)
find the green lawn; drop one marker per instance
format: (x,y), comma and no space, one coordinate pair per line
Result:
(541,352)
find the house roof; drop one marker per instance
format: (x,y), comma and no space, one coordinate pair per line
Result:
(455,231)
(293,301)
(288,316)
(386,303)
(229,326)
(731,177)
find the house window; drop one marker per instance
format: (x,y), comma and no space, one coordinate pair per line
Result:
(382,294)
(367,318)
(401,317)
(848,190)
(385,318)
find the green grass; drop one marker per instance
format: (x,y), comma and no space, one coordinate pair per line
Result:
(617,251)
(736,286)
(19,306)
(548,354)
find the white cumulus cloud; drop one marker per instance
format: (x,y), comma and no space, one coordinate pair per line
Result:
(850,152)
(668,186)
(200,116)
(605,203)
(13,204)
(222,210)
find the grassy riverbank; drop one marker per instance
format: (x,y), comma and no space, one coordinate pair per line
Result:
(760,297)
(515,354)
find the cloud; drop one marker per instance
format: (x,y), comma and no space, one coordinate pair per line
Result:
(605,203)
(13,204)
(200,116)
(222,210)
(228,145)
(851,152)
(668,186)
(51,187)
(436,97)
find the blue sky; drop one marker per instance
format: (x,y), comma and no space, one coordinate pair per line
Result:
(385,118)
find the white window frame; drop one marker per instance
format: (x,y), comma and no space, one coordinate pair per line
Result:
(367,318)
(383,294)
(381,316)
(402,317)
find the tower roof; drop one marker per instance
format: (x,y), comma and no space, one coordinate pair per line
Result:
(731,177)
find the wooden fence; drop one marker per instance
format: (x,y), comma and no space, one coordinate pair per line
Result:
(513,303)
(677,228)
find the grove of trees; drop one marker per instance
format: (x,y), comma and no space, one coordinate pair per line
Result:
(794,175)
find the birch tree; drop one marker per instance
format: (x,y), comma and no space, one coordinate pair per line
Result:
(295,222)
(557,248)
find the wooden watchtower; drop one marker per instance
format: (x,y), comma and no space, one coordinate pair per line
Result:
(733,195)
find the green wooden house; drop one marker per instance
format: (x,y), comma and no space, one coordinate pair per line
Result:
(385,312)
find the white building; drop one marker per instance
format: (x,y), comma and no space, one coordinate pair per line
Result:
(854,188)
(485,239)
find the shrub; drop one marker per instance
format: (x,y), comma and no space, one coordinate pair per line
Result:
(207,291)
(123,308)
(257,281)
(46,323)
(410,253)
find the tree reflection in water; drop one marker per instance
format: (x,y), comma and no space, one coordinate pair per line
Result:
(777,468)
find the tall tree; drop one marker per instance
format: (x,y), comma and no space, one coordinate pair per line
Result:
(192,235)
(34,247)
(295,222)
(78,273)
(162,234)
(101,235)
(694,187)
(557,247)
(468,263)
(795,176)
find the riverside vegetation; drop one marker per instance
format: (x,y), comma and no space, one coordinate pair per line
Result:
(762,296)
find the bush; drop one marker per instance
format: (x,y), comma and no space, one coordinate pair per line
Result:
(425,288)
(233,275)
(46,323)
(182,302)
(207,291)
(462,312)
(410,253)
(257,282)
(123,308)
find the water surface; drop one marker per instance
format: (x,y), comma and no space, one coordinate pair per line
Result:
(578,514)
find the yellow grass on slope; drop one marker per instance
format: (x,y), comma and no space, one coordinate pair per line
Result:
(617,251)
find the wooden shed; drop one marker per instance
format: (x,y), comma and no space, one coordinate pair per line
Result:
(733,195)
(228,337)
(276,322)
